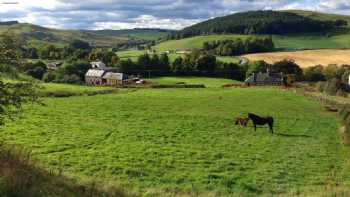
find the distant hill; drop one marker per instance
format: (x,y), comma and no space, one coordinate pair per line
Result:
(265,22)
(37,35)
(320,16)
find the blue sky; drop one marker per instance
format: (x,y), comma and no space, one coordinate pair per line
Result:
(124,14)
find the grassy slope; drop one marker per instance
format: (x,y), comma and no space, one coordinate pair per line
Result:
(304,41)
(36,35)
(193,42)
(186,139)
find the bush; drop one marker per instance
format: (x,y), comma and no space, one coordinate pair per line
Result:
(320,86)
(342,93)
(50,76)
(332,86)
(314,74)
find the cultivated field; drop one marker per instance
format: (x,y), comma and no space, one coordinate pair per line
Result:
(184,140)
(306,58)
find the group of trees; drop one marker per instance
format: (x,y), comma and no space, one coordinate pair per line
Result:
(287,67)
(332,79)
(259,22)
(321,73)
(196,63)
(239,46)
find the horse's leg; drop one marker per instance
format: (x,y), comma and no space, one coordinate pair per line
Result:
(271,127)
(254,127)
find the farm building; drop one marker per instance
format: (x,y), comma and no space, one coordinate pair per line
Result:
(97,77)
(265,79)
(113,79)
(94,77)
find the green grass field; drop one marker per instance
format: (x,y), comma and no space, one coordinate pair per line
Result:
(305,41)
(185,140)
(56,87)
(208,82)
(130,54)
(193,42)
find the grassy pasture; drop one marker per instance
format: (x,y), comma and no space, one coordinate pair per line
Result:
(185,140)
(208,82)
(306,58)
(298,41)
(130,54)
(193,42)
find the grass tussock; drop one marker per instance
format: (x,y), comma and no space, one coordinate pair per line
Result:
(20,176)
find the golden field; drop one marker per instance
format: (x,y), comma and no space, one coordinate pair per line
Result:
(306,58)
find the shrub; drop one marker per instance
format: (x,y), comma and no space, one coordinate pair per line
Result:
(314,74)
(49,76)
(320,86)
(332,86)
(342,93)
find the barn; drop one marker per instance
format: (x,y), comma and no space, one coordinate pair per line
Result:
(94,77)
(114,79)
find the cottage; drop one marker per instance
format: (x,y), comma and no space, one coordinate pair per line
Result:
(114,79)
(94,77)
(98,65)
(265,79)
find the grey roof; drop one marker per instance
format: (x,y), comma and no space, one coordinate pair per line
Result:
(98,64)
(112,75)
(264,77)
(95,73)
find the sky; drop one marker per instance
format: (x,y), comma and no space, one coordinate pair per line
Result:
(127,14)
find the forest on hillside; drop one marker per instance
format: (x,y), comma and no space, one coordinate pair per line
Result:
(259,22)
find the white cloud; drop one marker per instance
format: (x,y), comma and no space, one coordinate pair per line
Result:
(169,14)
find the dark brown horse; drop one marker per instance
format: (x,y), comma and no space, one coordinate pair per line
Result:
(257,120)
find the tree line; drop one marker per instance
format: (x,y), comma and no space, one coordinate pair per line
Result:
(238,46)
(259,22)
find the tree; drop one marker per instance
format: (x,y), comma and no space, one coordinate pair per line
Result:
(314,74)
(9,49)
(288,66)
(177,66)
(144,61)
(164,62)
(127,66)
(206,63)
(13,96)
(258,66)
(77,68)
(79,44)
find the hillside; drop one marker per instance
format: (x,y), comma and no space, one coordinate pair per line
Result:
(320,16)
(37,35)
(282,42)
(260,22)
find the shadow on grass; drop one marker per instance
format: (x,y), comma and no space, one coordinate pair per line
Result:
(292,135)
